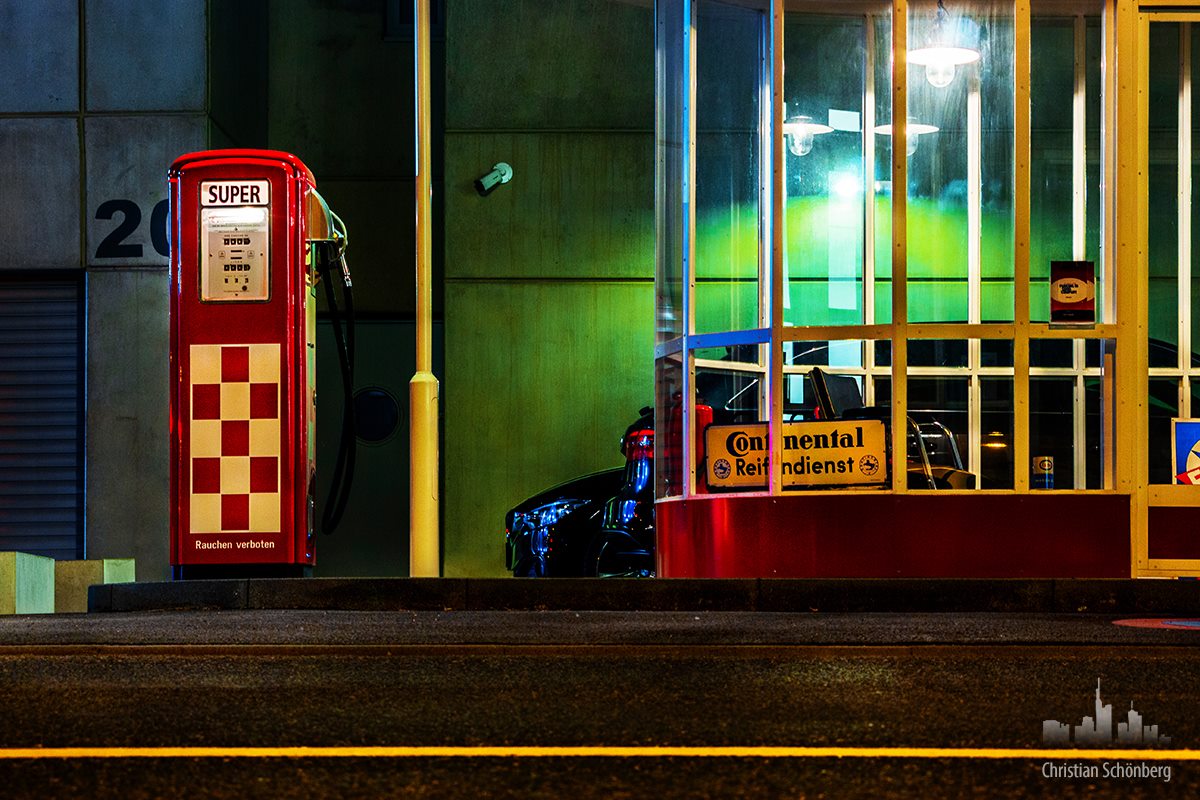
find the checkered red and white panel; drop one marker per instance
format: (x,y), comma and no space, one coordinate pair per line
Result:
(235,438)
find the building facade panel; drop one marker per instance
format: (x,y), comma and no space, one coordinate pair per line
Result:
(39,167)
(146,56)
(39,57)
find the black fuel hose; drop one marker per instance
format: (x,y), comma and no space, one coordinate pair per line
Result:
(343,336)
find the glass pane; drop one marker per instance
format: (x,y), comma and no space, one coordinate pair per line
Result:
(668,427)
(729,61)
(1164,405)
(1193,358)
(1052,428)
(996,423)
(845,386)
(1163,202)
(1051,100)
(1093,393)
(960,161)
(839,452)
(948,353)
(735,396)
(740,353)
(738,453)
(937,353)
(943,400)
(881,206)
(938,431)
(669,168)
(1095,111)
(995,353)
(830,95)
(1055,353)
(841,353)
(1064,214)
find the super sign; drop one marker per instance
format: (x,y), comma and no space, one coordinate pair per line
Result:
(234,193)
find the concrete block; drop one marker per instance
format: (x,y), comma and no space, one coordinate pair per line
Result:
(26,584)
(127,161)
(39,179)
(1148,597)
(617,594)
(915,595)
(580,205)
(146,56)
(316,49)
(127,477)
(39,56)
(576,323)
(372,594)
(372,539)
(594,65)
(226,595)
(370,209)
(72,579)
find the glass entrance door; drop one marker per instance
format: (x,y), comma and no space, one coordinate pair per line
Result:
(1168,485)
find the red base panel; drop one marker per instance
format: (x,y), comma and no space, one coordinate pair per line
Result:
(861,535)
(1174,532)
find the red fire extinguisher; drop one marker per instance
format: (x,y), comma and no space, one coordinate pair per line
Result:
(675,468)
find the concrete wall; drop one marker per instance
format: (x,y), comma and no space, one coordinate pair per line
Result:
(549,280)
(98,97)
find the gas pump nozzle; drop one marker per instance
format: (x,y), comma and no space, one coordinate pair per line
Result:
(341,259)
(326,227)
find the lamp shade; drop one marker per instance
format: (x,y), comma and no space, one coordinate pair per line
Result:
(952,42)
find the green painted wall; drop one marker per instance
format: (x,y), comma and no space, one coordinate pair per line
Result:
(549,291)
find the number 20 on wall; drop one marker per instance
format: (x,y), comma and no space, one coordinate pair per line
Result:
(129,214)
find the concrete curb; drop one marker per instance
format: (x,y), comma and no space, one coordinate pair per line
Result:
(1175,597)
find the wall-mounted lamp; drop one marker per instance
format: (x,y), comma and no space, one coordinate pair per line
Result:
(501,173)
(800,132)
(952,43)
(914,130)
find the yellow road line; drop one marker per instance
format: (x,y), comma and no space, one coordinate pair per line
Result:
(1041,754)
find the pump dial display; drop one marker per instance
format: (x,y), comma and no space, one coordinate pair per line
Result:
(235,228)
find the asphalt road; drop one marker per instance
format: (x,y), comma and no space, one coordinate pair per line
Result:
(957,687)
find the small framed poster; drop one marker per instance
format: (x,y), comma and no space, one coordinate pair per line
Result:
(1185,449)
(1072,293)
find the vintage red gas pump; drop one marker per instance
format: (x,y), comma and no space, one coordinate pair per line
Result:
(248,233)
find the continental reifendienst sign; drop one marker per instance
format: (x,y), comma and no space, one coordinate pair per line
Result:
(814,454)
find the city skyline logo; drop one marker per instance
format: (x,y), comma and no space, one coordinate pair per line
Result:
(1098,729)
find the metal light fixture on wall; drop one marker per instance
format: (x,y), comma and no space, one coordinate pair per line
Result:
(914,130)
(952,43)
(801,132)
(501,173)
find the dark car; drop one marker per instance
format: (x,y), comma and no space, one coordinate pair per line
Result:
(599,525)
(602,525)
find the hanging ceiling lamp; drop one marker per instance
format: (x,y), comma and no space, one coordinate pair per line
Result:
(952,43)
(914,130)
(801,131)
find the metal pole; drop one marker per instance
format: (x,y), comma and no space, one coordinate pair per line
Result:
(424,549)
(899,245)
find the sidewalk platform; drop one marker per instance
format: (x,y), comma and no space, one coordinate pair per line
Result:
(1062,596)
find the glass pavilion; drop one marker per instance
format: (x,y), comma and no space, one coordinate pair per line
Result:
(876,192)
